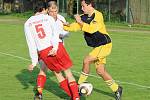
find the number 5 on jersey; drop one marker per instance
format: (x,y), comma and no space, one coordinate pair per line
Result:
(40,31)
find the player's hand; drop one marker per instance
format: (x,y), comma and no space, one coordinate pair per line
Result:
(78,19)
(66,24)
(61,36)
(31,67)
(52,52)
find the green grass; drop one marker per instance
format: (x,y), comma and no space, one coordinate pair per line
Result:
(128,63)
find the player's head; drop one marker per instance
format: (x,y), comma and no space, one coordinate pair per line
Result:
(53,9)
(87,5)
(40,7)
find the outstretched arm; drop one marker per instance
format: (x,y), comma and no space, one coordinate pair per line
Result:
(72,27)
(32,47)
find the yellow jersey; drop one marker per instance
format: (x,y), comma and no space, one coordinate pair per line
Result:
(94,29)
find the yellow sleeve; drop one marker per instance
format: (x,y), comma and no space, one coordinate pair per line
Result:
(95,25)
(72,27)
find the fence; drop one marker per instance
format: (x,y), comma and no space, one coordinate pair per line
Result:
(113,10)
(131,11)
(139,11)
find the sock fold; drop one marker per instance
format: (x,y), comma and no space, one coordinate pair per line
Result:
(41,79)
(112,84)
(65,86)
(83,77)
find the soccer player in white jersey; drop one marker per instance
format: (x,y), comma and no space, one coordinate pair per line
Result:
(59,20)
(43,42)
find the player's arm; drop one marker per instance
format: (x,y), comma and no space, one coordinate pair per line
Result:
(72,27)
(64,33)
(32,47)
(55,38)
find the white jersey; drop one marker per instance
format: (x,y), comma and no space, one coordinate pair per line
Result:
(60,20)
(41,32)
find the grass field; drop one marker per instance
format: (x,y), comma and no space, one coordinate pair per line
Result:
(128,64)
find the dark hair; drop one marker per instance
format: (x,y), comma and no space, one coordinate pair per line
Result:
(51,0)
(39,7)
(89,2)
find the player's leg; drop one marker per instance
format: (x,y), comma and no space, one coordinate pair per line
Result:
(41,79)
(63,82)
(62,62)
(65,64)
(72,84)
(101,71)
(86,68)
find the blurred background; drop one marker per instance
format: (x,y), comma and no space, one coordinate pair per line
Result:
(130,11)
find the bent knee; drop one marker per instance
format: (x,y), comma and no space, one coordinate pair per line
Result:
(42,73)
(89,59)
(86,61)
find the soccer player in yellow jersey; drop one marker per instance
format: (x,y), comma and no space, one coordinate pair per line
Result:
(96,36)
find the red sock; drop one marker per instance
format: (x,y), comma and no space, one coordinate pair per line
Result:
(65,86)
(41,79)
(74,89)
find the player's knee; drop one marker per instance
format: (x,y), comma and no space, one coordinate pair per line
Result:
(42,73)
(86,61)
(68,73)
(43,67)
(89,59)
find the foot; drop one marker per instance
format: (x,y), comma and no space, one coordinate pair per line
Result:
(38,96)
(75,99)
(118,93)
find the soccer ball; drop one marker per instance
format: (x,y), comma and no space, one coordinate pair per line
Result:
(85,89)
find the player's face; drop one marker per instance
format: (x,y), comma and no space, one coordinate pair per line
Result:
(85,7)
(53,12)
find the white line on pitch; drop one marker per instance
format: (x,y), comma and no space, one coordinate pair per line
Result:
(129,83)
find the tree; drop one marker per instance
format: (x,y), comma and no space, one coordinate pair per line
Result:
(70,7)
(7,6)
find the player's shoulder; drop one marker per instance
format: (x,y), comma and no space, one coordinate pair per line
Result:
(28,20)
(50,18)
(61,17)
(97,12)
(47,18)
(43,16)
